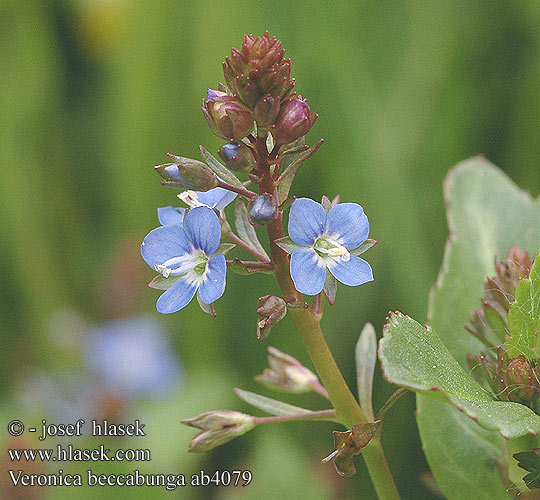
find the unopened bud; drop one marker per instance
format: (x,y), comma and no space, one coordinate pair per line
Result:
(187,174)
(263,209)
(266,110)
(237,156)
(271,310)
(287,374)
(218,427)
(294,121)
(226,116)
(520,381)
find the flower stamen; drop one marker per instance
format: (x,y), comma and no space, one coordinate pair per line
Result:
(164,270)
(190,198)
(327,247)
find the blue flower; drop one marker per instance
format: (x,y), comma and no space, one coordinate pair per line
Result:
(188,251)
(217,198)
(323,242)
(132,357)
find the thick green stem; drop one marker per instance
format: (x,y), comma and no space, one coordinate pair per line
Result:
(378,469)
(307,321)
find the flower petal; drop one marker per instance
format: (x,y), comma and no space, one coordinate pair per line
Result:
(176,297)
(203,229)
(170,215)
(307,219)
(354,272)
(213,286)
(164,243)
(306,273)
(217,198)
(348,223)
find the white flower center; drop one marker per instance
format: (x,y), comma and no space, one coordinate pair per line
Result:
(330,250)
(191,199)
(190,265)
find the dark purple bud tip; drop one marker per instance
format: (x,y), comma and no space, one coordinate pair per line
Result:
(230,151)
(262,209)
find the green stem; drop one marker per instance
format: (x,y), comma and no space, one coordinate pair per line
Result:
(378,469)
(307,321)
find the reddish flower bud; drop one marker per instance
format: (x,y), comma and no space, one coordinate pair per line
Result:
(226,116)
(287,374)
(520,381)
(266,110)
(271,310)
(294,121)
(218,427)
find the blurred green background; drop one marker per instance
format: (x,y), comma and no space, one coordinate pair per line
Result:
(93,93)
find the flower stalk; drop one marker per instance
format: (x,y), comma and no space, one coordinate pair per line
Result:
(307,321)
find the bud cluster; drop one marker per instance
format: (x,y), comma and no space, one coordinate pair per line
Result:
(490,322)
(259,71)
(511,379)
(258,91)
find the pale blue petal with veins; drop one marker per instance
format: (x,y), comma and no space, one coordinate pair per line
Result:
(324,241)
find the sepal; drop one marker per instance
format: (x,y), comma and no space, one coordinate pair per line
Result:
(350,443)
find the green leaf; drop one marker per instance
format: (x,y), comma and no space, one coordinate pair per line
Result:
(244,229)
(366,356)
(461,454)
(291,164)
(236,267)
(414,357)
(269,405)
(487,215)
(524,316)
(530,461)
(219,169)
(162,283)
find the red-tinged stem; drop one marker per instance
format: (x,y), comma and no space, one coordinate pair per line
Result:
(237,189)
(242,244)
(251,264)
(312,415)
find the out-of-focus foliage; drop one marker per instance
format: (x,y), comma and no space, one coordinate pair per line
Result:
(94,92)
